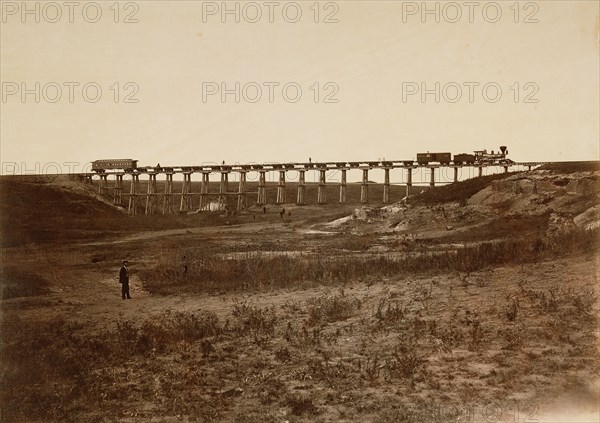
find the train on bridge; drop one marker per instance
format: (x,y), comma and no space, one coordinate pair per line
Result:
(478,158)
(432,163)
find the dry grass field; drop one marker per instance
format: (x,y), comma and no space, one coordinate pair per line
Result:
(476,302)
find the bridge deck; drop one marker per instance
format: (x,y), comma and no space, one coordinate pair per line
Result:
(269,167)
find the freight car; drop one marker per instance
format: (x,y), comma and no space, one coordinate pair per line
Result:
(101,166)
(426,158)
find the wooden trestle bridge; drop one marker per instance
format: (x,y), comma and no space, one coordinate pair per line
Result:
(148,202)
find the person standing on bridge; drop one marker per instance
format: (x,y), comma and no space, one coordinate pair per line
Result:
(124,280)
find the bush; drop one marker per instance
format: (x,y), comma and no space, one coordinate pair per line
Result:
(332,308)
(301,404)
(160,333)
(405,361)
(254,320)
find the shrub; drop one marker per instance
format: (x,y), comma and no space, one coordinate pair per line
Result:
(255,320)
(331,308)
(512,310)
(405,361)
(301,404)
(389,311)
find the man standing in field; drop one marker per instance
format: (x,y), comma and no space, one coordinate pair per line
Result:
(124,280)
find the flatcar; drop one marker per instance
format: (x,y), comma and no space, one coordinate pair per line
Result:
(426,158)
(101,166)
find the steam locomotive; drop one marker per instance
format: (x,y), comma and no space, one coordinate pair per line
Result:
(478,157)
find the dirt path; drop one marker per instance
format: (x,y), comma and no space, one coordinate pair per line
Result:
(205,230)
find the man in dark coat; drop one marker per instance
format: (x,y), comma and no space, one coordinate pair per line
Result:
(124,280)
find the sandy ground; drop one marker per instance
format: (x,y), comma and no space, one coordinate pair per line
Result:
(90,296)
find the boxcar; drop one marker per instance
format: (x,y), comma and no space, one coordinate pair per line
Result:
(426,158)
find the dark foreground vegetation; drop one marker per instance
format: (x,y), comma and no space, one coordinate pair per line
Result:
(417,351)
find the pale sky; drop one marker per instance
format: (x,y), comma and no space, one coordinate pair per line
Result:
(372,56)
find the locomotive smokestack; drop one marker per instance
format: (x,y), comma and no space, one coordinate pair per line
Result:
(503,149)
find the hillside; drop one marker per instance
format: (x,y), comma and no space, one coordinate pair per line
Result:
(42,209)
(524,204)
(471,297)
(59,208)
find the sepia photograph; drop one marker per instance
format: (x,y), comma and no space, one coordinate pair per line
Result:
(377,211)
